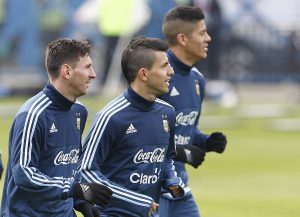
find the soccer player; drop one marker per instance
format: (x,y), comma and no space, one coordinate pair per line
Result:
(130,144)
(45,140)
(185,30)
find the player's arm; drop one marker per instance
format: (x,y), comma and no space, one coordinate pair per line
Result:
(170,181)
(97,147)
(193,154)
(216,141)
(190,154)
(26,136)
(88,209)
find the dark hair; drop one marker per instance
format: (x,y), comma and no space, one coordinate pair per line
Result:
(65,50)
(140,53)
(180,19)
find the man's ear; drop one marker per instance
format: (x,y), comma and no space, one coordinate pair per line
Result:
(181,39)
(66,71)
(143,74)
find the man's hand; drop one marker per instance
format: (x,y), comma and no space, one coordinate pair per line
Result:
(190,154)
(88,210)
(153,208)
(176,191)
(216,142)
(92,192)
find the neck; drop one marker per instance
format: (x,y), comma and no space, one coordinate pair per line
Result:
(63,89)
(141,90)
(183,56)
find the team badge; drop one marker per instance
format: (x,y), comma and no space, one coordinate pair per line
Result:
(165,123)
(197,86)
(78,120)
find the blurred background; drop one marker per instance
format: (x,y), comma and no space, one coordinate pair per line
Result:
(252,95)
(252,41)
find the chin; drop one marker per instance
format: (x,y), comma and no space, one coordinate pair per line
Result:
(165,91)
(84,92)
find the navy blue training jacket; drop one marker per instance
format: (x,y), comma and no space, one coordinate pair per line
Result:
(44,149)
(129,148)
(186,93)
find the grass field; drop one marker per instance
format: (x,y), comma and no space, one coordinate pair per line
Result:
(257,176)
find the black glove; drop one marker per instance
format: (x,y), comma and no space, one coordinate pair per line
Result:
(190,154)
(92,192)
(216,142)
(88,210)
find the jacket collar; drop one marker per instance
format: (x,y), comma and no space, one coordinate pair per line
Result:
(137,100)
(57,98)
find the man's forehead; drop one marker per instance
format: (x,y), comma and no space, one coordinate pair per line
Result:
(161,55)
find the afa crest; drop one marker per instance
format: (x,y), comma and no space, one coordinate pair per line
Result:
(166,124)
(197,86)
(78,120)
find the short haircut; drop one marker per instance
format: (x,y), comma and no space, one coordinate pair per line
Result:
(181,19)
(140,53)
(65,50)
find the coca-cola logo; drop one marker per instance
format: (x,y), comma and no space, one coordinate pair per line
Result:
(67,158)
(157,155)
(185,120)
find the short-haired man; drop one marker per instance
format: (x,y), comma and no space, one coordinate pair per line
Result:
(185,31)
(45,140)
(130,144)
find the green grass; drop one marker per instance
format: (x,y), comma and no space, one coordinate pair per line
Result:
(257,176)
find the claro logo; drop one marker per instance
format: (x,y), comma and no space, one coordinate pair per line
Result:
(141,178)
(157,155)
(67,158)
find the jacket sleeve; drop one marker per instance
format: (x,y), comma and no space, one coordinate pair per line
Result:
(26,137)
(169,177)
(199,139)
(97,146)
